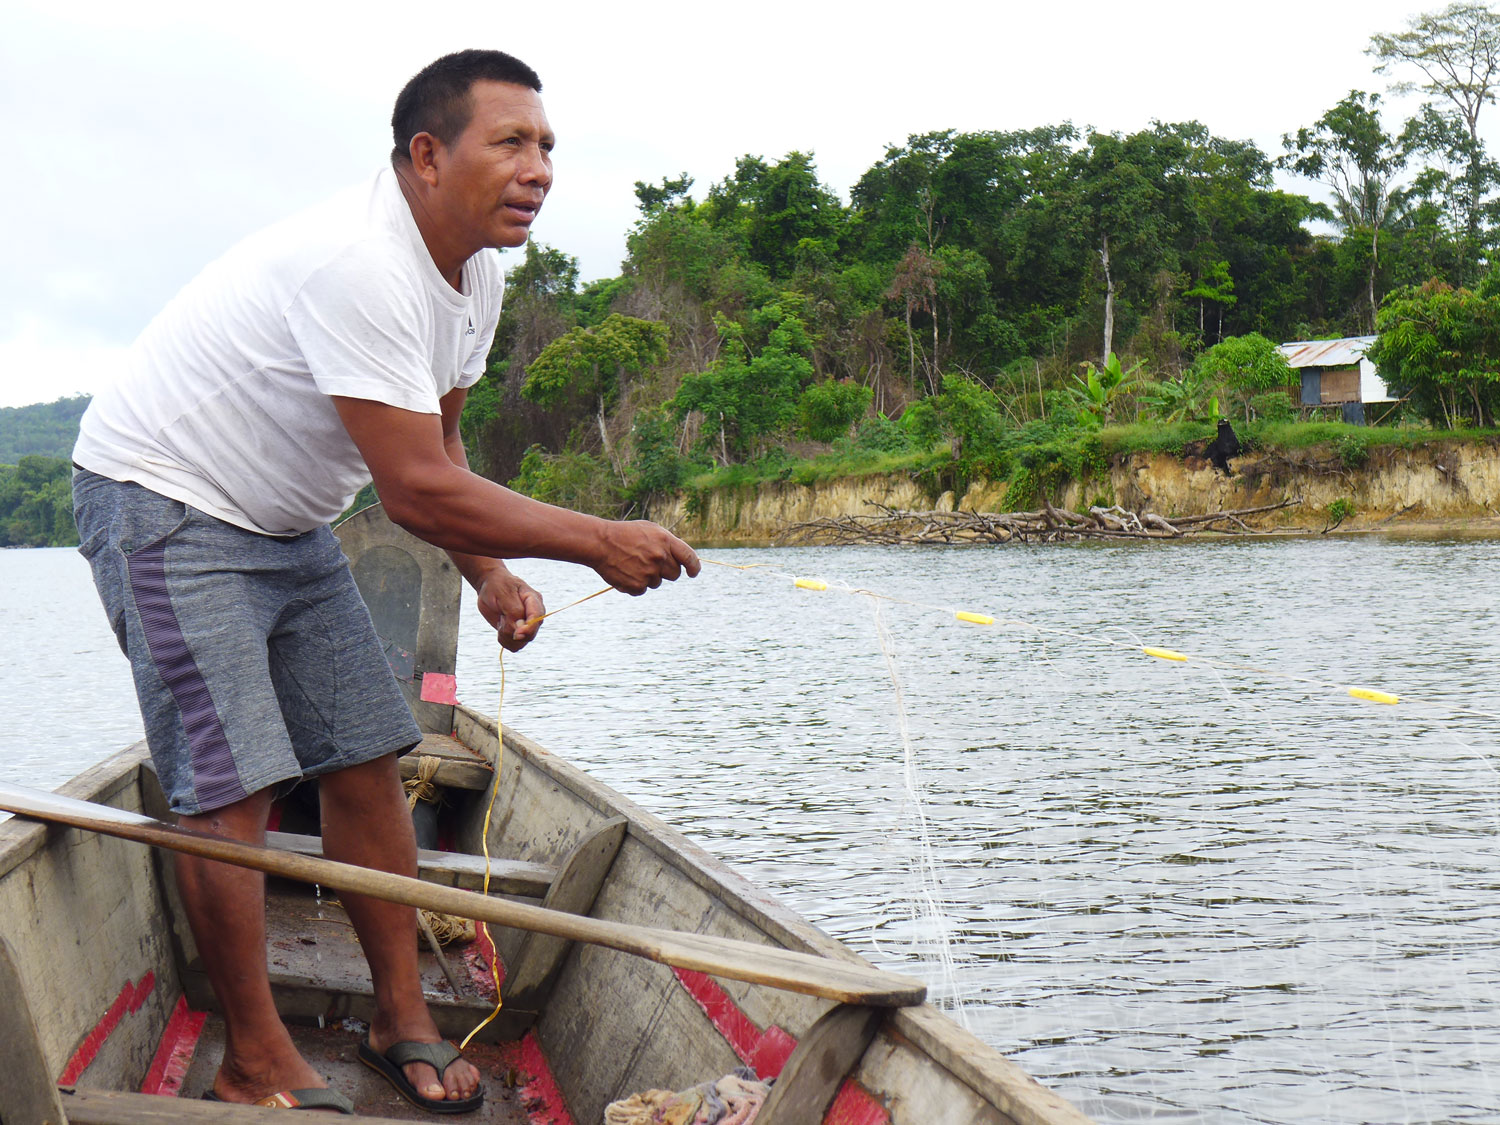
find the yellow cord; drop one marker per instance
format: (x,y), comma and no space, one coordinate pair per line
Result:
(484,841)
(539,618)
(484,838)
(818,584)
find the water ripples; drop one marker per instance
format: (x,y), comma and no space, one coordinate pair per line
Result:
(1172,892)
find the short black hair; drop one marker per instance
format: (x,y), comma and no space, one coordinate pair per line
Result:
(437,99)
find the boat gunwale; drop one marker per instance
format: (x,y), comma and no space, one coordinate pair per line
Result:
(20,838)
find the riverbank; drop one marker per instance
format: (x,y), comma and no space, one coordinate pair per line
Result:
(1436,488)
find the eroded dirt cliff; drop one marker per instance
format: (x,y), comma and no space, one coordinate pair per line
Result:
(1441,482)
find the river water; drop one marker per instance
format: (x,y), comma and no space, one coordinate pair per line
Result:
(1220,892)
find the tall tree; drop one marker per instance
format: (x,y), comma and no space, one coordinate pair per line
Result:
(915,285)
(1214,284)
(1441,193)
(1246,365)
(1457,51)
(744,397)
(656,197)
(1349,150)
(1118,186)
(594,361)
(899,199)
(1440,346)
(781,211)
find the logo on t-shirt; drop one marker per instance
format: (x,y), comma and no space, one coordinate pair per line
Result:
(470,332)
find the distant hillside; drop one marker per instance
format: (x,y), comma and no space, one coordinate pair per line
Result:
(48,429)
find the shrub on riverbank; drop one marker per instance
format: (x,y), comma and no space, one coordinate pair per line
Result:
(36,503)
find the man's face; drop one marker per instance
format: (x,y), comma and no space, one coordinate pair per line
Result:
(498,171)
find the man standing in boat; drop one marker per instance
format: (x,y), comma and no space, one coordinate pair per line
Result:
(330,349)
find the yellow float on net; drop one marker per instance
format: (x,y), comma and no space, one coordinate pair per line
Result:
(974,618)
(1165,654)
(1374,696)
(810,583)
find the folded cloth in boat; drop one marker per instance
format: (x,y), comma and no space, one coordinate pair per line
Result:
(638,1109)
(734,1099)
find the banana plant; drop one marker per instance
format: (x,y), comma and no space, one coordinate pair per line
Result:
(1184,399)
(1096,390)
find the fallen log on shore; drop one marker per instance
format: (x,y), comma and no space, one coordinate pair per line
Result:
(1048,524)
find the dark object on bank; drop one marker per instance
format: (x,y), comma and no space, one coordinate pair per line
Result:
(1223,447)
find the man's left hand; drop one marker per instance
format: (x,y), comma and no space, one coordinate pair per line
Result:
(512,607)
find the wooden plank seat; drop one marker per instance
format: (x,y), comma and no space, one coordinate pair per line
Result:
(450,869)
(458,766)
(318,972)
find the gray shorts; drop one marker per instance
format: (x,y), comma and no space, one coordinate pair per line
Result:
(254,658)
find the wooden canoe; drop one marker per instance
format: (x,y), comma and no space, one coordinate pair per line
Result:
(655,977)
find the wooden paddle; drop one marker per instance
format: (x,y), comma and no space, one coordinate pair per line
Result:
(845,981)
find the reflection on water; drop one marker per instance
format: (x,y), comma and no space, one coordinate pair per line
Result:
(1172,893)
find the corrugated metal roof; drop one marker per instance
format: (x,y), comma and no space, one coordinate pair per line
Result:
(1326,353)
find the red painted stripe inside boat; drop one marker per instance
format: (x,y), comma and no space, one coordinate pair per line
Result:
(130,999)
(767,1051)
(738,1029)
(855,1105)
(174,1055)
(540,1097)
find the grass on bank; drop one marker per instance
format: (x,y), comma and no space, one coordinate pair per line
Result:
(776,465)
(1075,447)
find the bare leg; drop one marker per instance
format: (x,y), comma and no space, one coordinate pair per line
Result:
(366,822)
(226,908)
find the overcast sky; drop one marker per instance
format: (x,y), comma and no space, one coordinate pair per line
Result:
(146,138)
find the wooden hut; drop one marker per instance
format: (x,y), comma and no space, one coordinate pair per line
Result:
(1337,377)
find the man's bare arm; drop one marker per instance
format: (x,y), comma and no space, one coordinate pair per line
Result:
(436,500)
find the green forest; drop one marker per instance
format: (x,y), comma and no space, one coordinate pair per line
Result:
(35,474)
(45,430)
(36,503)
(1017,306)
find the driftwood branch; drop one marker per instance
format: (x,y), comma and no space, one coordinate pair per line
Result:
(1048,524)
(1234,515)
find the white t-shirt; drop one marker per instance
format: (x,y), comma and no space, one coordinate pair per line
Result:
(223,403)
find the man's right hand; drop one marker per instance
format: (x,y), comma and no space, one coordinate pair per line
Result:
(638,554)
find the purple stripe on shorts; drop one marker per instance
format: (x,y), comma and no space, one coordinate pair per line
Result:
(215,779)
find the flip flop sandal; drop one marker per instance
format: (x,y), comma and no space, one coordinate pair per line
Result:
(298,1099)
(439,1056)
